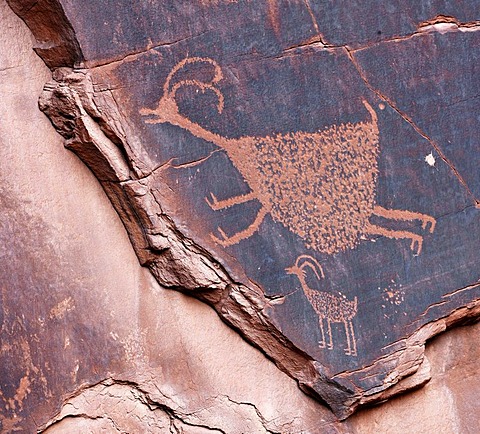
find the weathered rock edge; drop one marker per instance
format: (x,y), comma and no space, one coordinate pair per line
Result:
(56,42)
(95,131)
(93,128)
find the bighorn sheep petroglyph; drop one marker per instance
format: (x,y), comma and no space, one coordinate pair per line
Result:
(329,307)
(320,185)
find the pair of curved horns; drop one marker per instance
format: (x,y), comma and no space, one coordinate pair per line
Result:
(208,85)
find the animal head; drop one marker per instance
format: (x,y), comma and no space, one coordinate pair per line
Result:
(301,263)
(167,108)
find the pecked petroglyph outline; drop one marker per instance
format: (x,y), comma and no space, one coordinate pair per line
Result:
(329,307)
(319,185)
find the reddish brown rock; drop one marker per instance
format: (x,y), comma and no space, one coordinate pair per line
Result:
(82,321)
(362,260)
(448,403)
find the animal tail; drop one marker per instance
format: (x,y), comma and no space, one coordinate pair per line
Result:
(372,112)
(355,304)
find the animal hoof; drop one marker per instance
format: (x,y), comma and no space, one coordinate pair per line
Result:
(224,241)
(223,234)
(418,241)
(213,202)
(432,225)
(218,240)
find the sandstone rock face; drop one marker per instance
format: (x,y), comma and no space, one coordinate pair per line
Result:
(447,404)
(89,337)
(81,321)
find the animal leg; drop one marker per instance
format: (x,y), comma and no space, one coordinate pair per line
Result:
(397,214)
(351,349)
(329,330)
(216,204)
(415,239)
(322,331)
(239,236)
(348,350)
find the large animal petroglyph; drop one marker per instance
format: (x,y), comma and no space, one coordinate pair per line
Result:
(320,185)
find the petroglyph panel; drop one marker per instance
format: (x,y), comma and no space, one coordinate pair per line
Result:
(334,221)
(320,185)
(272,161)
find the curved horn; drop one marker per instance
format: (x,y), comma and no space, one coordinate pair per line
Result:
(309,264)
(203,87)
(188,60)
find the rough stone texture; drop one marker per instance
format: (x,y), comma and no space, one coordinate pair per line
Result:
(80,319)
(333,219)
(53,304)
(447,404)
(78,310)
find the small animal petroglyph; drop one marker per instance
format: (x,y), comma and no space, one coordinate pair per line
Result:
(320,185)
(329,307)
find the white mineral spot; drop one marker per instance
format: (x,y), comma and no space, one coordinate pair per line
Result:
(430,160)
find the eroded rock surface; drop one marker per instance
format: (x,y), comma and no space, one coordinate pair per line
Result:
(80,318)
(196,130)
